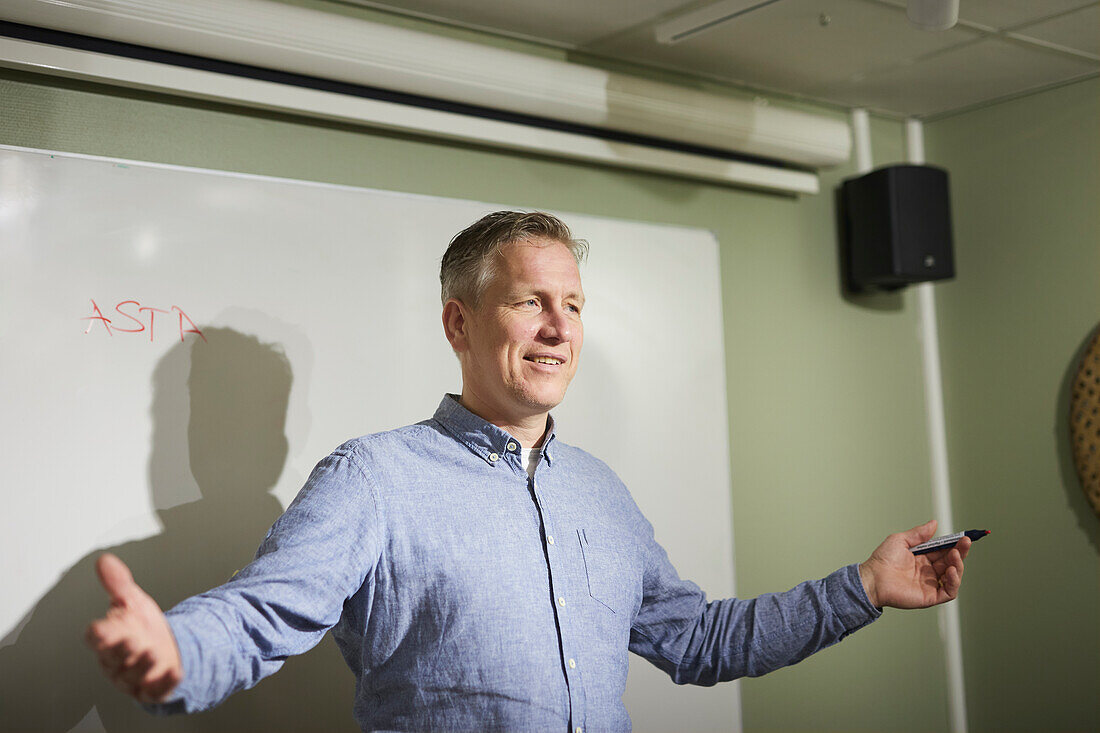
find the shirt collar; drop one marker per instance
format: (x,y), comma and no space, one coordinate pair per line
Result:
(481,437)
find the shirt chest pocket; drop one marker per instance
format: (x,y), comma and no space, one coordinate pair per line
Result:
(608,569)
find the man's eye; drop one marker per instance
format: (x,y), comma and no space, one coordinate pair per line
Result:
(574,308)
(531,302)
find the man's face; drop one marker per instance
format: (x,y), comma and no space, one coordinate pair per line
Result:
(523,340)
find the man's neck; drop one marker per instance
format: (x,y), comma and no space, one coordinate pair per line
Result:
(530,430)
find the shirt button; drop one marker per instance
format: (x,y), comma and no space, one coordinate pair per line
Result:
(561,601)
(494,457)
(572,664)
(549,539)
(511,446)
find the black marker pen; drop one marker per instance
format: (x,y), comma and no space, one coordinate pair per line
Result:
(947,541)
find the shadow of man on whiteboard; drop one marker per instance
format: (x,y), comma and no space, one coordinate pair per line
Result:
(219,415)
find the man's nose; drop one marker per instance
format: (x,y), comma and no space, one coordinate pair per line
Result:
(556,325)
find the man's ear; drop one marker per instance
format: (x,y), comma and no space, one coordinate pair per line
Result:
(454,324)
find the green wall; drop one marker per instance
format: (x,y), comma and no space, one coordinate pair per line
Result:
(827,427)
(1025,178)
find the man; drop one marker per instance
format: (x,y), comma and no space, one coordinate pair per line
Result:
(478,573)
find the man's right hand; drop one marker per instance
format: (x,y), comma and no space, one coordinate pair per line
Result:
(134,642)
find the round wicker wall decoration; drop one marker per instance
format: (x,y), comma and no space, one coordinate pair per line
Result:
(1084,421)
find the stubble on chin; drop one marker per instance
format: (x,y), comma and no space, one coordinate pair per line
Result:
(539,400)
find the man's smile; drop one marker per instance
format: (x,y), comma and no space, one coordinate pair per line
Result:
(545,359)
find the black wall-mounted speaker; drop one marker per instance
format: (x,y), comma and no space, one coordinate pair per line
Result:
(896,228)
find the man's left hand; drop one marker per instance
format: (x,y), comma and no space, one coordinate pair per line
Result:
(894,576)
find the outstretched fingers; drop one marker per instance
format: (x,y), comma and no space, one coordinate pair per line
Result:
(116,652)
(136,672)
(133,673)
(133,642)
(112,645)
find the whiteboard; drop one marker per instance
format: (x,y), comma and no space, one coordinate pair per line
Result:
(257,323)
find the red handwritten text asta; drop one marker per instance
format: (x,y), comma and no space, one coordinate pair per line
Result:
(133,312)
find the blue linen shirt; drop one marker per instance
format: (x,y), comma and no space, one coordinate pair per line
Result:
(466,595)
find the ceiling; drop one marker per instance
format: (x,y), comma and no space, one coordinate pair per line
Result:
(852,53)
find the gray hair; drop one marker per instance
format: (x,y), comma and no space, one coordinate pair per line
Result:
(469,263)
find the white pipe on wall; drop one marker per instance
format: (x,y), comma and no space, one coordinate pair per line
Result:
(861,138)
(937,443)
(937,434)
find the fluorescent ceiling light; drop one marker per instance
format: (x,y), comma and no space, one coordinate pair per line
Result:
(700,20)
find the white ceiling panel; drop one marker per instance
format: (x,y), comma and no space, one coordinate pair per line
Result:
(844,52)
(789,46)
(1079,30)
(1004,14)
(988,69)
(570,22)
